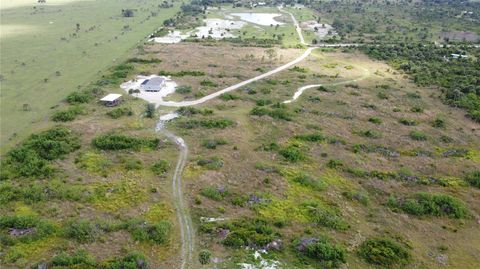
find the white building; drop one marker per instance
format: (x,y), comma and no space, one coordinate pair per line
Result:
(154,84)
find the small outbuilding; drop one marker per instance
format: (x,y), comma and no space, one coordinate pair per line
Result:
(112,99)
(154,84)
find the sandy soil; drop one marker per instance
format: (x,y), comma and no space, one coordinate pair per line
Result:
(320,29)
(151,97)
(265,19)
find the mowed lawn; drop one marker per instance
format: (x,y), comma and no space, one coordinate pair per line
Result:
(44,57)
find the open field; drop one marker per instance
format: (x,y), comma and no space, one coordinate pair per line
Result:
(43,54)
(342,114)
(364,170)
(221,67)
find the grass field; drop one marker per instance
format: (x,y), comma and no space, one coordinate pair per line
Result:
(367,112)
(43,54)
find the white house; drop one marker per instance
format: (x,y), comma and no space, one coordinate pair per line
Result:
(154,84)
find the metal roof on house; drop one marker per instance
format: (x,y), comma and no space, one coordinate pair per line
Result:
(111,97)
(154,82)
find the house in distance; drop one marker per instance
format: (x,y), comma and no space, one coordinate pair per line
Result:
(154,84)
(112,99)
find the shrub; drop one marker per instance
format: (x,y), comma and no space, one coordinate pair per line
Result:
(80,259)
(213,143)
(276,113)
(79,97)
(375,120)
(382,95)
(131,163)
(158,233)
(208,83)
(263,102)
(144,61)
(434,205)
(160,167)
(182,73)
(474,178)
(292,154)
(414,95)
(408,122)
(119,112)
(418,136)
(207,123)
(67,115)
(83,231)
(204,257)
(189,111)
(334,164)
(308,181)
(32,157)
(446,139)
(315,137)
(357,196)
(228,97)
(328,218)
(133,260)
(384,252)
(438,123)
(416,109)
(248,232)
(330,255)
(150,110)
(39,228)
(183,89)
(119,142)
(370,134)
(214,193)
(213,163)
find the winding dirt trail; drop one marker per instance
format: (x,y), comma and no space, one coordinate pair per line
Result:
(300,90)
(183,214)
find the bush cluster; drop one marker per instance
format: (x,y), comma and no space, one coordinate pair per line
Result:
(189,111)
(39,228)
(33,156)
(213,143)
(160,167)
(31,193)
(328,254)
(68,114)
(473,178)
(249,232)
(213,163)
(292,154)
(384,252)
(79,97)
(279,112)
(119,142)
(206,123)
(183,89)
(158,233)
(431,204)
(214,193)
(119,112)
(182,73)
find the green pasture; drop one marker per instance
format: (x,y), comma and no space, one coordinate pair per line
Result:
(45,57)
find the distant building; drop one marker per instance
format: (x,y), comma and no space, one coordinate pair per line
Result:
(153,84)
(457,56)
(112,99)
